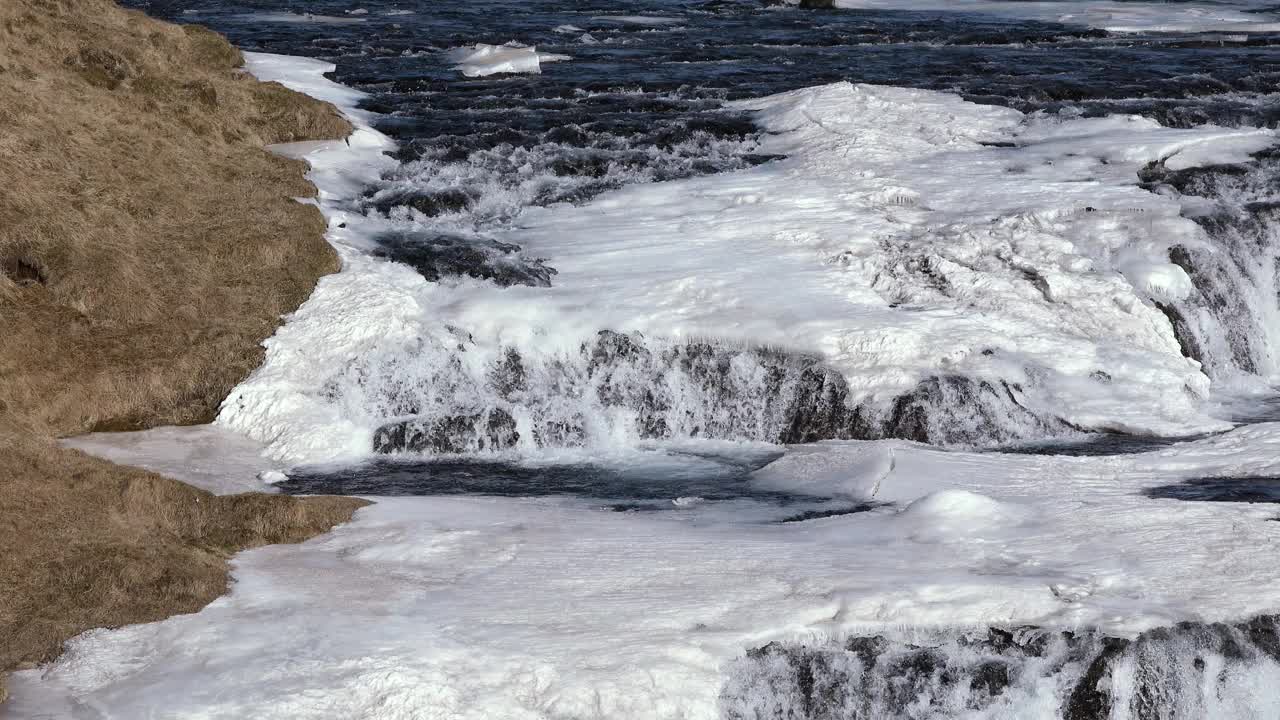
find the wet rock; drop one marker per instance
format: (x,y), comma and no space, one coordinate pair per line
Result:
(1182,332)
(439,255)
(456,434)
(955,409)
(507,377)
(1090,698)
(1163,673)
(819,409)
(431,204)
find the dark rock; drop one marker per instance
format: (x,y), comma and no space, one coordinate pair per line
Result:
(819,408)
(990,678)
(437,255)
(507,375)
(456,434)
(1090,699)
(1183,332)
(431,204)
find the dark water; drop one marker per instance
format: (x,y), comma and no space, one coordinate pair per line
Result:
(1245,489)
(663,482)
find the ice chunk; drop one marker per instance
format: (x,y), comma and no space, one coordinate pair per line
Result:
(483,60)
(272,477)
(648,20)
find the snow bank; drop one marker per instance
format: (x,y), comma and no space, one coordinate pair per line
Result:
(1136,17)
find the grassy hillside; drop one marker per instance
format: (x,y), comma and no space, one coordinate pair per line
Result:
(148,244)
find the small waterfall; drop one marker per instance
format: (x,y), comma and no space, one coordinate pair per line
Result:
(461,396)
(1231,324)
(1190,670)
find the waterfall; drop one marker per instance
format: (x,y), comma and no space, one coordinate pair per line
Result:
(1231,323)
(1189,670)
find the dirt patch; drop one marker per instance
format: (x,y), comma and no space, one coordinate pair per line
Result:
(148,244)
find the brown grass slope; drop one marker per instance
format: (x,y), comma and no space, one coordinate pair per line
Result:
(136,204)
(148,244)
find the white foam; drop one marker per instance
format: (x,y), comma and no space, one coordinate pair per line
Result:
(301,18)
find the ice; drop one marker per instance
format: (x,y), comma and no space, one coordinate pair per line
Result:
(482,60)
(948,515)
(209,457)
(1136,17)
(557,607)
(309,18)
(272,477)
(507,608)
(647,20)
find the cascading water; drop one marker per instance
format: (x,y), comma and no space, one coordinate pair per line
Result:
(457,397)
(1231,323)
(1190,670)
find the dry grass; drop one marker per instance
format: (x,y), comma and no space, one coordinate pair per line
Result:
(148,244)
(90,544)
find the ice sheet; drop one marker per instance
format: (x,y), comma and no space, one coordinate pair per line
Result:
(210,457)
(493,608)
(1239,16)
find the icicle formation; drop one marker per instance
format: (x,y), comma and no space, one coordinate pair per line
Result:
(1190,670)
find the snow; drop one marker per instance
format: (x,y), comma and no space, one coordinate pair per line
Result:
(895,242)
(1240,16)
(482,60)
(500,608)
